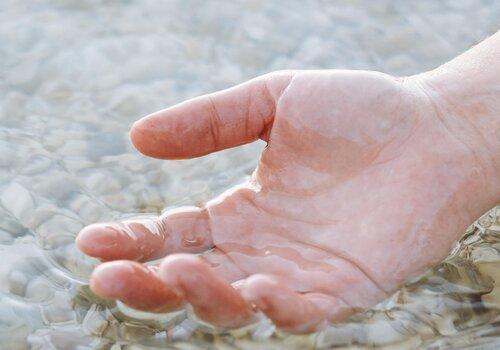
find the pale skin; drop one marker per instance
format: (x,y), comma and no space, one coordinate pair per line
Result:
(367,180)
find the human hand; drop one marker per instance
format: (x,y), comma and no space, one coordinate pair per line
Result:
(362,186)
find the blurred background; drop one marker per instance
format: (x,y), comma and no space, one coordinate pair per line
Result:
(74,74)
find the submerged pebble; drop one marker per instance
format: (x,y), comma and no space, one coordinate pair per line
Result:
(75,75)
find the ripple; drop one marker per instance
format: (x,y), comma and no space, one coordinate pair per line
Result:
(76,74)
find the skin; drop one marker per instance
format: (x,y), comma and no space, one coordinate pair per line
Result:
(366,181)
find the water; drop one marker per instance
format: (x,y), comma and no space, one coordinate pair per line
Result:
(74,75)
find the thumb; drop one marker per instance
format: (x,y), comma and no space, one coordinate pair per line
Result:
(213,122)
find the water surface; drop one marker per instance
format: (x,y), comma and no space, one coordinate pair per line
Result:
(75,74)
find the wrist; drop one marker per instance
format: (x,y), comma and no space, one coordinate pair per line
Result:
(469,107)
(468,89)
(472,106)
(472,149)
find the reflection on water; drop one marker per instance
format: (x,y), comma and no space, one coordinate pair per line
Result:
(74,75)
(455,304)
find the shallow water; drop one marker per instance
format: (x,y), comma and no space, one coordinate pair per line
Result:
(74,75)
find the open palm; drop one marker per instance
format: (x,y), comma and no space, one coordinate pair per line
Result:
(352,196)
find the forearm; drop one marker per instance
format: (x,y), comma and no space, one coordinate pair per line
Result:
(466,91)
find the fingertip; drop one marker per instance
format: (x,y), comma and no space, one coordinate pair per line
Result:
(134,134)
(143,138)
(131,240)
(135,285)
(106,279)
(98,240)
(164,135)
